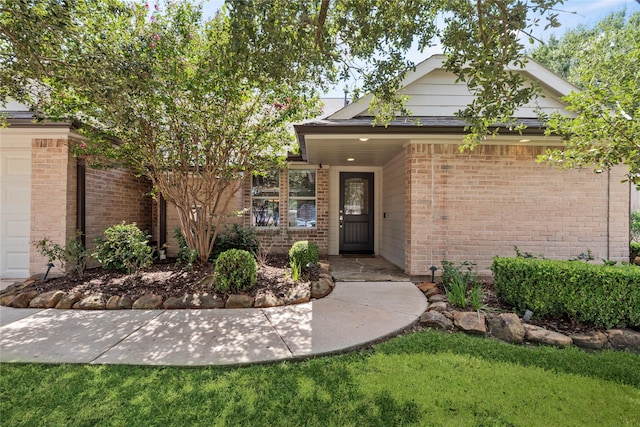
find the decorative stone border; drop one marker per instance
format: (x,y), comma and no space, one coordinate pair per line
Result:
(13,297)
(510,328)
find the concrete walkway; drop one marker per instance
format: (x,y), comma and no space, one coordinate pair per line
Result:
(353,315)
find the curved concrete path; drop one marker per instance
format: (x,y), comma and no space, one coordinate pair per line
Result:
(353,315)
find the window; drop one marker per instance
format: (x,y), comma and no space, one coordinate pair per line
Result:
(265,202)
(302,198)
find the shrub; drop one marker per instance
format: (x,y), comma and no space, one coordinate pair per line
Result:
(599,295)
(236,269)
(124,248)
(186,255)
(238,237)
(73,257)
(304,252)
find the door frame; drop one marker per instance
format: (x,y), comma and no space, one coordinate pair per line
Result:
(369,218)
(334,202)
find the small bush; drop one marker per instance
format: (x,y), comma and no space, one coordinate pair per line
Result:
(238,237)
(73,257)
(186,255)
(236,269)
(124,248)
(598,295)
(304,252)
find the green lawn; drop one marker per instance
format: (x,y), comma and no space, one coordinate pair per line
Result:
(423,378)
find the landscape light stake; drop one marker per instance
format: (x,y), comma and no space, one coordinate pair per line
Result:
(49,265)
(433,269)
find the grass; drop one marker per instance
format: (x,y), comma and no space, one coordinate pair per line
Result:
(422,378)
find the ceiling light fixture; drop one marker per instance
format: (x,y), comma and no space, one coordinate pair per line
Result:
(350,159)
(363,139)
(524,140)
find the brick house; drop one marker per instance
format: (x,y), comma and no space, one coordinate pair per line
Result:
(46,192)
(403,192)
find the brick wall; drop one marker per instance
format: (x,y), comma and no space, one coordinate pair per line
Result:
(53,203)
(472,207)
(113,196)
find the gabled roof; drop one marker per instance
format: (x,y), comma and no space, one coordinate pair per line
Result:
(552,83)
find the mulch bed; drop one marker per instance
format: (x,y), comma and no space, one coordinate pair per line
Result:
(166,279)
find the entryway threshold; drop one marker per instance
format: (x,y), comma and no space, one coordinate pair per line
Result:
(366,268)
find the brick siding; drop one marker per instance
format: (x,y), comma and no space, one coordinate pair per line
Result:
(474,206)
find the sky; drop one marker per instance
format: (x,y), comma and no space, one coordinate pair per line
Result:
(570,14)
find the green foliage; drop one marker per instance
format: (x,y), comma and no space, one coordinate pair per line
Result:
(634,250)
(476,297)
(124,247)
(295,271)
(457,283)
(186,255)
(598,295)
(635,226)
(73,257)
(303,253)
(236,270)
(603,62)
(238,237)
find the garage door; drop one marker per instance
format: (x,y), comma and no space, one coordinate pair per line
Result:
(15,211)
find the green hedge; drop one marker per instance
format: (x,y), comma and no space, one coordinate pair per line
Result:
(599,295)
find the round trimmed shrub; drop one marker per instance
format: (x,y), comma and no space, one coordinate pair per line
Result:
(236,269)
(304,252)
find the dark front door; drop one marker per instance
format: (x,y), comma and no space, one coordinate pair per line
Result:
(356,213)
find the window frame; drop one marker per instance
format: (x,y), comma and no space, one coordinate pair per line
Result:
(267,198)
(313,198)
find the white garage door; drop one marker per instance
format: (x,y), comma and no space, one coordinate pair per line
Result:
(15,211)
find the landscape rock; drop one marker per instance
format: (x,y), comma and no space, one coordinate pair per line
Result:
(624,338)
(592,339)
(440,306)
(173,303)
(91,302)
(267,299)
(470,322)
(125,302)
(202,301)
(239,301)
(429,289)
(148,302)
(23,299)
(507,327)
(7,300)
(16,288)
(298,296)
(47,300)
(328,277)
(69,300)
(543,336)
(321,288)
(438,298)
(436,320)
(112,303)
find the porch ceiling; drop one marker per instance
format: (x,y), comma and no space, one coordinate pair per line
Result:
(336,150)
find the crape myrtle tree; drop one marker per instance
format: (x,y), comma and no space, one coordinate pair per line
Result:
(194,104)
(604,62)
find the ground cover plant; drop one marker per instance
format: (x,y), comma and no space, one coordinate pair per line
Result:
(421,378)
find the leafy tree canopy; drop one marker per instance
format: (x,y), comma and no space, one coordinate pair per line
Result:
(605,63)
